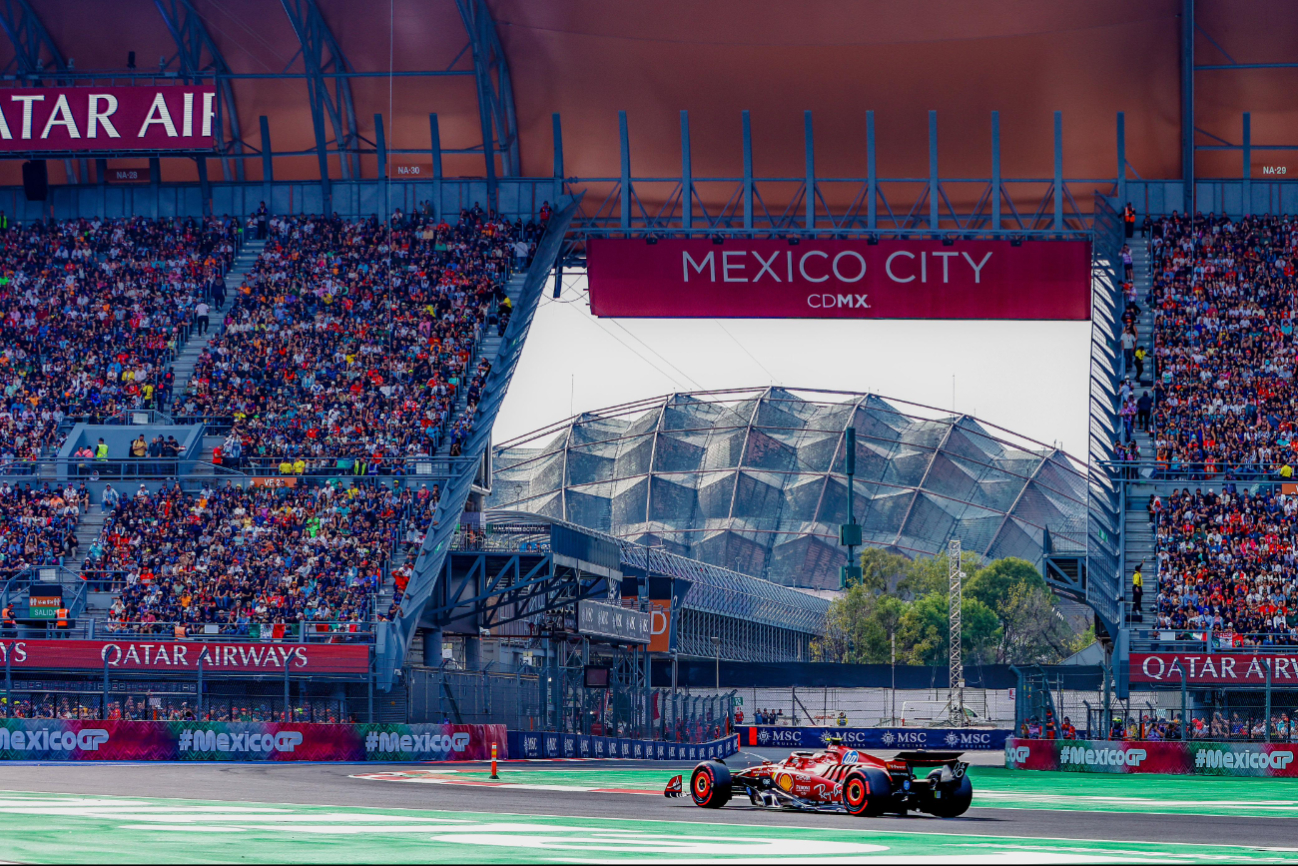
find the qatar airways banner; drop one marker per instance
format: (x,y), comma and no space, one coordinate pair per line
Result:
(73,119)
(171,656)
(87,740)
(1213,668)
(840,279)
(1147,756)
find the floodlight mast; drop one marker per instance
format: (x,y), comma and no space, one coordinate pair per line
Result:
(956,680)
(849,534)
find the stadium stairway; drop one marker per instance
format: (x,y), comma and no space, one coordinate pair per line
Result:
(183,366)
(1138,536)
(489,347)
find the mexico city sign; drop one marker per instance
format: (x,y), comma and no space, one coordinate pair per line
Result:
(840,279)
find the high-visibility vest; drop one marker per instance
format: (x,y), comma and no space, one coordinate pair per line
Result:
(63,617)
(7,615)
(101,451)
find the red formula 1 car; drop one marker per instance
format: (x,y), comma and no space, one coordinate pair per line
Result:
(838,779)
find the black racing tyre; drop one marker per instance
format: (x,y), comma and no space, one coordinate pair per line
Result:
(710,785)
(954,801)
(867,792)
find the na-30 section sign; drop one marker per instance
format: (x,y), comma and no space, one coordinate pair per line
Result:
(840,279)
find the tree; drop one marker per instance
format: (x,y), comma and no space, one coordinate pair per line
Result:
(994,584)
(859,628)
(881,570)
(929,574)
(925,630)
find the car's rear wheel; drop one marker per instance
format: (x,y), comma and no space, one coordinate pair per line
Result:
(710,785)
(955,798)
(866,792)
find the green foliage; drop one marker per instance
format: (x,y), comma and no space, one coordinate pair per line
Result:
(1008,614)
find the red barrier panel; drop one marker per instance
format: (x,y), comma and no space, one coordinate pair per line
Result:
(159,655)
(840,279)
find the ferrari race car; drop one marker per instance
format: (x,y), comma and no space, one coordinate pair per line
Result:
(838,779)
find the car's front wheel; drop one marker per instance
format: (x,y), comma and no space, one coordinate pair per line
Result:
(710,785)
(866,792)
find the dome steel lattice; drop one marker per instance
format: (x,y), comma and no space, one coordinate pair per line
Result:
(751,479)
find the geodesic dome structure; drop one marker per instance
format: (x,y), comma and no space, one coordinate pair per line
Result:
(752,480)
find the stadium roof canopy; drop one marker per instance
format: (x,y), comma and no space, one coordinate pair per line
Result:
(588,59)
(752,480)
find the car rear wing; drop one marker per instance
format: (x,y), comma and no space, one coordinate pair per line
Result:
(926,758)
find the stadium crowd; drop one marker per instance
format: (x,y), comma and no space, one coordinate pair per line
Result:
(233,557)
(1224,298)
(1226,564)
(350,342)
(38,526)
(91,311)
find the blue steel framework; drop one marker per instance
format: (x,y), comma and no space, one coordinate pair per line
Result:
(324,67)
(1055,207)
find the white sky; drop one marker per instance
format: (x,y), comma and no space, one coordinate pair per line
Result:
(1028,377)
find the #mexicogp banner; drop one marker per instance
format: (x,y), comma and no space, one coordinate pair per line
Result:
(76,740)
(1145,756)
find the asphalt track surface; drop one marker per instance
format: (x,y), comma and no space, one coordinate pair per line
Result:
(335,785)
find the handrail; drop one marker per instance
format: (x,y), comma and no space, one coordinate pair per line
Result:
(164,630)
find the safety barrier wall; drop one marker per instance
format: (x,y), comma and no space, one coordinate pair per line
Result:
(962,739)
(547,744)
(1148,756)
(74,740)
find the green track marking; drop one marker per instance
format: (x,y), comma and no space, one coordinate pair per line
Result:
(994,788)
(66,828)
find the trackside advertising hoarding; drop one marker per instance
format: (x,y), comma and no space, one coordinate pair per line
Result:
(159,655)
(839,279)
(964,739)
(75,119)
(543,744)
(1232,668)
(1144,756)
(75,740)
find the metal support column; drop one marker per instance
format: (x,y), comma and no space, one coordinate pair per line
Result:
(1122,161)
(200,59)
(871,176)
(1187,104)
(996,171)
(558,147)
(323,59)
(204,188)
(1246,188)
(810,146)
(748,171)
(625,150)
(687,175)
(1059,171)
(380,147)
(435,145)
(933,189)
(267,164)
